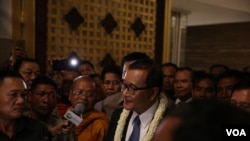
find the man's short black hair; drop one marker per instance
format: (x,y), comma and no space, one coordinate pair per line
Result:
(18,63)
(112,69)
(218,66)
(236,74)
(83,62)
(7,73)
(243,83)
(154,77)
(200,75)
(169,65)
(134,56)
(186,69)
(42,80)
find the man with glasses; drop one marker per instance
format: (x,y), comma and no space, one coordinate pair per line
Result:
(144,106)
(94,125)
(13,125)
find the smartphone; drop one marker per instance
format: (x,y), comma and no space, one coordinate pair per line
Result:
(59,65)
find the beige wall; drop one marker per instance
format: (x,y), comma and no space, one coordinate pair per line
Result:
(5,19)
(26,31)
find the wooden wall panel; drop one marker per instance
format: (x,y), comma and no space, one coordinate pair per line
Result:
(227,44)
(90,40)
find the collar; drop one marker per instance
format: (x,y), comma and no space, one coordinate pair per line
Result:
(147,116)
(158,115)
(179,101)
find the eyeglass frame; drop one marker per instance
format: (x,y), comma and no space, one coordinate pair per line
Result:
(83,93)
(134,89)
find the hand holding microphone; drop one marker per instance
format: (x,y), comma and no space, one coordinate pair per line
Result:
(71,116)
(61,127)
(74,116)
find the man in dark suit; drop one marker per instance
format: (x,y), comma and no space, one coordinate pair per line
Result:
(143,106)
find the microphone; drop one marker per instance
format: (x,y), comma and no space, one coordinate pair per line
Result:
(74,116)
(79,109)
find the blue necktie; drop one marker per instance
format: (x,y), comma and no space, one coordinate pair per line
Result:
(135,136)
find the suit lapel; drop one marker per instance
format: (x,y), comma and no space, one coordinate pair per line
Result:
(126,126)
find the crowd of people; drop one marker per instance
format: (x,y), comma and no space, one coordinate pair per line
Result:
(137,101)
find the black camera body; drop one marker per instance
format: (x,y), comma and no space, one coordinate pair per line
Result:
(71,63)
(59,65)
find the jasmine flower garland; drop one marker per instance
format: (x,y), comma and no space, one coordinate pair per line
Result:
(152,127)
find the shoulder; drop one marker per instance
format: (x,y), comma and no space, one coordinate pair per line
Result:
(117,112)
(165,104)
(98,113)
(113,124)
(115,116)
(95,117)
(114,121)
(116,96)
(31,124)
(115,99)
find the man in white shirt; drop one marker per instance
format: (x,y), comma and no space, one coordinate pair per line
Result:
(144,106)
(183,85)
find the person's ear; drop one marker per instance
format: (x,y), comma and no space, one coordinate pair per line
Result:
(155,91)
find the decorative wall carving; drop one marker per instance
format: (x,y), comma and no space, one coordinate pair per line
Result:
(90,39)
(109,23)
(74,18)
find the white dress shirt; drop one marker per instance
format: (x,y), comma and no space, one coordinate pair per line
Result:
(145,119)
(177,101)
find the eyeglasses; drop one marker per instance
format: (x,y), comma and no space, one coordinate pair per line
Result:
(114,82)
(131,89)
(85,93)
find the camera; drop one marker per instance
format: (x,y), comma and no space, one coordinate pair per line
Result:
(71,63)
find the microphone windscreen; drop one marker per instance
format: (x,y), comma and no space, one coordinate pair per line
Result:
(79,108)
